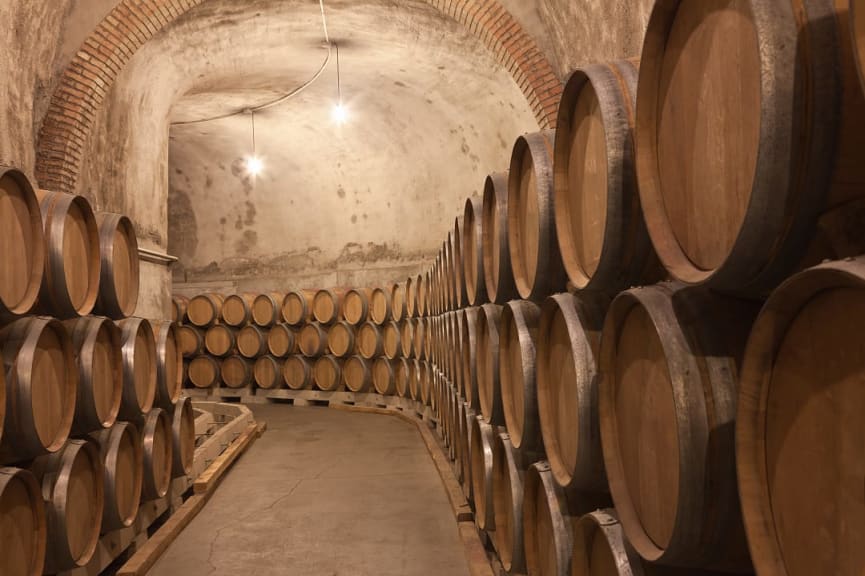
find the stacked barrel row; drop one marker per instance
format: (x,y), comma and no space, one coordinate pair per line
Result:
(355,339)
(91,420)
(638,365)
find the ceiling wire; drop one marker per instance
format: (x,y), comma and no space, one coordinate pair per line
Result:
(284,97)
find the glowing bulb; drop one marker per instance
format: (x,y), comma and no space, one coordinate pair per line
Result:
(254,165)
(339,113)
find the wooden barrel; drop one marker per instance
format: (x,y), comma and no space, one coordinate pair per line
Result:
(468,416)
(21,227)
(460,445)
(507,482)
(857,29)
(182,438)
(267,309)
(468,357)
(569,337)
(398,297)
(414,377)
(411,295)
(312,340)
(421,289)
(158,449)
(327,305)
(392,338)
(70,283)
(517,340)
(40,385)
(235,371)
(327,373)
(546,523)
(355,305)
(190,340)
(138,348)
(341,339)
(204,309)
(408,330)
(498,274)
(446,275)
(420,333)
(601,234)
(297,307)
(251,341)
(487,364)
(169,365)
(237,309)
(297,372)
(481,450)
(774,130)
(671,468)
(799,432)
(383,377)
(473,252)
(380,304)
(402,376)
(281,341)
(425,383)
(370,343)
(455,350)
(119,269)
(96,345)
(178,309)
(267,373)
(220,340)
(356,374)
(73,491)
(534,249)
(460,291)
(203,371)
(22,522)
(120,451)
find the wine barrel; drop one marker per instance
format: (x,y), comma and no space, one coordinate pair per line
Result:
(498,274)
(534,249)
(312,340)
(178,309)
(370,343)
(355,305)
(341,339)
(22,523)
(120,451)
(40,382)
(327,305)
(546,523)
(327,373)
(237,309)
(473,252)
(402,376)
(383,377)
(448,298)
(119,268)
(468,356)
(204,309)
(73,491)
(281,341)
(481,450)
(425,383)
(487,361)
(169,365)
(507,483)
(421,285)
(569,337)
(774,130)
(799,452)
(220,340)
(468,416)
(21,228)
(182,438)
(297,307)
(158,450)
(671,468)
(414,378)
(460,446)
(460,291)
(398,310)
(96,345)
(267,373)
(267,309)
(356,374)
(380,304)
(190,340)
(857,29)
(518,337)
(70,283)
(297,372)
(455,350)
(601,234)
(392,340)
(235,371)
(408,332)
(411,295)
(138,350)
(204,371)
(251,341)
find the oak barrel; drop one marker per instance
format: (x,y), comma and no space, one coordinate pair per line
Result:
(380,304)
(178,309)
(460,298)
(138,352)
(204,310)
(421,290)
(402,377)
(507,482)
(355,305)
(182,438)
(23,527)
(297,372)
(267,372)
(857,29)
(410,331)
(487,361)
(370,343)
(312,340)
(392,337)
(119,269)
(20,227)
(468,357)
(190,340)
(498,274)
(425,383)
(158,450)
(237,309)
(281,340)
(220,340)
(414,376)
(411,296)
(169,364)
(546,524)
(398,297)
(357,374)
(297,307)
(472,244)
(203,371)
(341,339)
(327,305)
(267,309)
(235,371)
(327,373)
(251,341)
(383,377)
(120,450)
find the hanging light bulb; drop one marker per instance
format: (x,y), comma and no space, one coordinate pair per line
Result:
(339,114)
(254,165)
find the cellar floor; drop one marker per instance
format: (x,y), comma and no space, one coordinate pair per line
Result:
(324,493)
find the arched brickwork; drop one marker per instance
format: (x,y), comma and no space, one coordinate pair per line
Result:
(87,80)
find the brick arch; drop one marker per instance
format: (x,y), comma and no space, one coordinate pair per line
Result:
(88,78)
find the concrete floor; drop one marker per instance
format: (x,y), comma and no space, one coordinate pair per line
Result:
(324,493)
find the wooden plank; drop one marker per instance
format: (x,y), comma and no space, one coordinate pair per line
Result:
(476,554)
(215,471)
